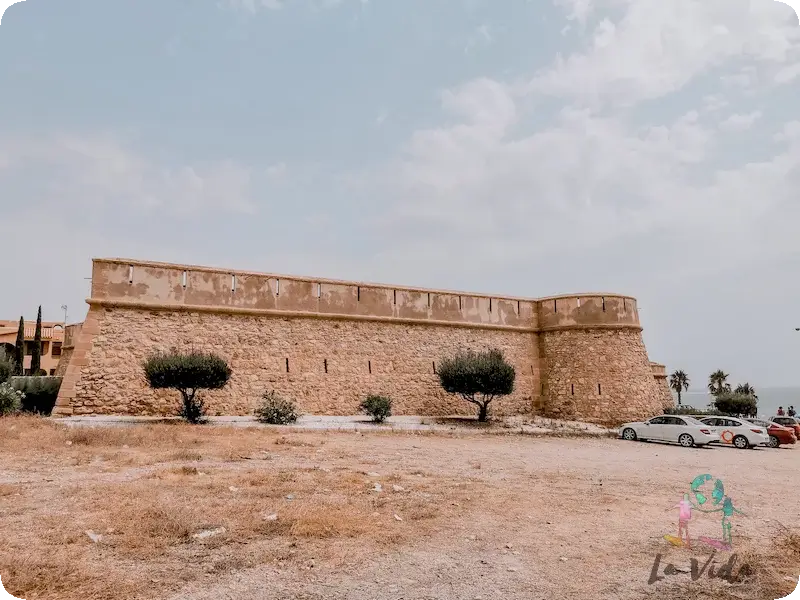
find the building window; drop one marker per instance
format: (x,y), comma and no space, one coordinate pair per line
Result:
(45,348)
(52,372)
(56,348)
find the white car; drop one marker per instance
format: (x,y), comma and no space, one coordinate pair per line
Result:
(681,429)
(740,433)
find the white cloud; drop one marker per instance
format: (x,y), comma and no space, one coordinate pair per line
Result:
(737,122)
(100,170)
(658,47)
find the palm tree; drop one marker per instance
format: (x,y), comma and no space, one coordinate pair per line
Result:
(679,381)
(718,383)
(746,390)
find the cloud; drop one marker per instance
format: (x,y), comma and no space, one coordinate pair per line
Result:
(656,48)
(737,122)
(99,171)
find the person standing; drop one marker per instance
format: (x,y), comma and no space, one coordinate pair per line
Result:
(791,411)
(780,411)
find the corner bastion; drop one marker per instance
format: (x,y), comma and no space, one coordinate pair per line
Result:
(328,343)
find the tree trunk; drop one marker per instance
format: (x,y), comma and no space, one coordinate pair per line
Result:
(484,408)
(679,397)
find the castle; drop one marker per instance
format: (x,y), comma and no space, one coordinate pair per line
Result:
(327,344)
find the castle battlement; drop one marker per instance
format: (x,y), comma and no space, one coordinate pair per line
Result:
(327,343)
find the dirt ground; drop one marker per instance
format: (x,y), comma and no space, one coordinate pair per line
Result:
(290,515)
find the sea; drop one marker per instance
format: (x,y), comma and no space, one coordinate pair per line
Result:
(769,399)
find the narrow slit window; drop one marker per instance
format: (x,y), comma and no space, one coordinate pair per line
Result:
(395,296)
(579,302)
(573,389)
(555,305)
(490,305)
(369,366)
(519,309)
(319,290)
(604,304)
(429,299)
(542,389)
(130,274)
(434,367)
(325,364)
(287,365)
(277,287)
(460,306)
(233,283)
(358,293)
(599,390)
(184,278)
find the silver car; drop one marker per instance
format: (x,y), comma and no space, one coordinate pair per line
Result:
(678,429)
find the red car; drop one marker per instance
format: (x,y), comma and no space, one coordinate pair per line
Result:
(789,423)
(778,433)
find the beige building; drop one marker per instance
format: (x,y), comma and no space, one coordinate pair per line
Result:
(52,342)
(326,344)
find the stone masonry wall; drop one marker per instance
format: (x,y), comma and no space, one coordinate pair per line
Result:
(597,376)
(400,357)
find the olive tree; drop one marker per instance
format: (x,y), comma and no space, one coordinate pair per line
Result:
(188,373)
(478,377)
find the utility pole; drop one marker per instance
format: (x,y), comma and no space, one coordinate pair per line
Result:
(64,308)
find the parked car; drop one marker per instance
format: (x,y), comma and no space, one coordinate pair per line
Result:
(738,432)
(684,430)
(791,422)
(778,434)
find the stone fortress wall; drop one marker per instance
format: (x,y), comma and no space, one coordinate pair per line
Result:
(327,344)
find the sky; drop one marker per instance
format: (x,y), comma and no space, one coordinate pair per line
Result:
(512,147)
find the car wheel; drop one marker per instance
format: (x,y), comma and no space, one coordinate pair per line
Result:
(629,434)
(686,440)
(774,442)
(741,442)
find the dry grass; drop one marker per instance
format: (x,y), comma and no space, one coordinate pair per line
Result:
(488,502)
(149,517)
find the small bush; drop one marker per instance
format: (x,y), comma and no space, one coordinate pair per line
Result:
(737,405)
(7,365)
(41,393)
(188,373)
(10,400)
(276,410)
(378,407)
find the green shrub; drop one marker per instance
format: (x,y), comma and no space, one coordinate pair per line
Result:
(187,373)
(10,400)
(7,365)
(478,377)
(276,410)
(41,393)
(736,405)
(378,407)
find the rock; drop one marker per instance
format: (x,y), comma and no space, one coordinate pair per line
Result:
(69,443)
(512,569)
(563,559)
(233,489)
(95,537)
(272,517)
(378,488)
(290,497)
(398,518)
(207,533)
(398,488)
(509,546)
(373,474)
